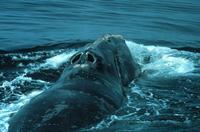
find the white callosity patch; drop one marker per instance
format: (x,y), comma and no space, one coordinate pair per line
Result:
(158,60)
(81,65)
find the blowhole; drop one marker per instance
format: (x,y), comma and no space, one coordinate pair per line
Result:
(76,58)
(90,58)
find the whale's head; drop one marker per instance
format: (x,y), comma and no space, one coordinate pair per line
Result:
(90,64)
(97,60)
(86,64)
(108,58)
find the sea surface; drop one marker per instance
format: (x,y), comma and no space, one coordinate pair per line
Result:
(38,37)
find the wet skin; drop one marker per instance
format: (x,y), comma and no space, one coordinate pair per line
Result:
(90,88)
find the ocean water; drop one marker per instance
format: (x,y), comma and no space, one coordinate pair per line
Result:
(38,37)
(29,23)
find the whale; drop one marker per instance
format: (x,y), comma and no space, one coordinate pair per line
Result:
(92,86)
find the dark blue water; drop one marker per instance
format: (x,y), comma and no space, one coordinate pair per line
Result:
(29,23)
(163,37)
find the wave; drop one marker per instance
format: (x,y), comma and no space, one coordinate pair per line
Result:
(50,46)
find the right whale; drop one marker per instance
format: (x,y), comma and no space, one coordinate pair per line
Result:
(91,87)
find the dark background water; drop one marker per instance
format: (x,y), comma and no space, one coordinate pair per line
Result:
(165,22)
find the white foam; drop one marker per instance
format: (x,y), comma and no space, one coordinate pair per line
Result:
(56,61)
(8,109)
(20,79)
(25,57)
(157,60)
(136,89)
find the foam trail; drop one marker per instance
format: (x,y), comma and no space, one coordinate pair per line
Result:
(160,60)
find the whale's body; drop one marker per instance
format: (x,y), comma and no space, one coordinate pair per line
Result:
(90,88)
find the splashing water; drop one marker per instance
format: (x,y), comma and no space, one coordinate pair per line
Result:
(160,60)
(58,60)
(152,99)
(149,101)
(8,109)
